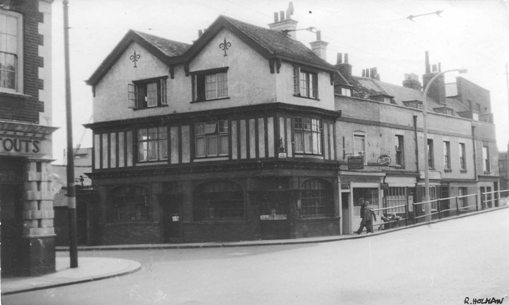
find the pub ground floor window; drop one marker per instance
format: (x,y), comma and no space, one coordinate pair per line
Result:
(129,203)
(316,199)
(222,200)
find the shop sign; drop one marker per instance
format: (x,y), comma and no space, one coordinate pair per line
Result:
(9,144)
(355,162)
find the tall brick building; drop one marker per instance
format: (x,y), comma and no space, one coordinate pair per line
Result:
(26,198)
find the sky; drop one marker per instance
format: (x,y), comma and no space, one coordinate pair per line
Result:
(471,34)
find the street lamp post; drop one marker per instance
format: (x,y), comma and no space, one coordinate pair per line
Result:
(427,207)
(71,190)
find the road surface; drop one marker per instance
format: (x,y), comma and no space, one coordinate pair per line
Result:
(442,263)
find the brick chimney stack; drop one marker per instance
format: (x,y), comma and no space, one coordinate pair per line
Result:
(437,88)
(319,47)
(285,23)
(343,66)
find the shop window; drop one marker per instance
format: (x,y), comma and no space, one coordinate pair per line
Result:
(11,52)
(396,200)
(308,136)
(316,199)
(129,203)
(147,93)
(220,200)
(462,201)
(152,144)
(210,84)
(211,139)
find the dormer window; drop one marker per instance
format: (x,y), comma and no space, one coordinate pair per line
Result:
(147,93)
(210,84)
(413,104)
(346,92)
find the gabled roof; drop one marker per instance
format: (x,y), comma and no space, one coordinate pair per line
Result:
(163,49)
(271,44)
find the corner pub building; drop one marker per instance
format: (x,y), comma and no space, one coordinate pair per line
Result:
(26,199)
(230,138)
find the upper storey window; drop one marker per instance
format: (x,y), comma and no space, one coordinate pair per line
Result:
(10,52)
(308,136)
(147,93)
(210,85)
(211,139)
(305,83)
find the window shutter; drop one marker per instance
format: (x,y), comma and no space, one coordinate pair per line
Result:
(296,72)
(131,96)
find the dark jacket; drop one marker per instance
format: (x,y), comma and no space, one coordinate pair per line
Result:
(368,214)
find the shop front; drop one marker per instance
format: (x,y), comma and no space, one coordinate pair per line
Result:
(358,188)
(26,199)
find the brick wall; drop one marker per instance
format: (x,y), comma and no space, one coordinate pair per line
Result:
(27,108)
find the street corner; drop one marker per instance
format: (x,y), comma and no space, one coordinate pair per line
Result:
(89,269)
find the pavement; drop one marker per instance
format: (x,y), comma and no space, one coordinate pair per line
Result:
(89,269)
(97,268)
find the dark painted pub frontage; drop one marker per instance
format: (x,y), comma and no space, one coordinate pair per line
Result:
(223,175)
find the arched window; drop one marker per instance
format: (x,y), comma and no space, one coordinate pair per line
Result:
(129,203)
(220,200)
(316,199)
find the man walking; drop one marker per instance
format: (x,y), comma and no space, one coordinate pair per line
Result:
(367,216)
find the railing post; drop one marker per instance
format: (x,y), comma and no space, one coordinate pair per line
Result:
(477,201)
(406,215)
(415,213)
(439,209)
(457,206)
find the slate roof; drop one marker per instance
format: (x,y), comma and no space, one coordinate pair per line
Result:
(278,43)
(366,87)
(168,47)
(162,48)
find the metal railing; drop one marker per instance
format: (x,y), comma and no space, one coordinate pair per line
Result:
(391,216)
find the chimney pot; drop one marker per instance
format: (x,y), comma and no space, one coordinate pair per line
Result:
(346,58)
(282,15)
(339,59)
(200,32)
(318,35)
(439,67)
(276,19)
(434,68)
